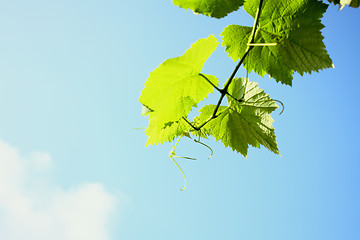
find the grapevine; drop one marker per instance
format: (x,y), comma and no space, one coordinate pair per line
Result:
(285,38)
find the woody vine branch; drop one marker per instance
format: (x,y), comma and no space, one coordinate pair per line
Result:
(251,44)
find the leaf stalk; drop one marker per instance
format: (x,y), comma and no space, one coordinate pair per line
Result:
(262,44)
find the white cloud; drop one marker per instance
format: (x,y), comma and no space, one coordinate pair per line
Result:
(41,161)
(42,212)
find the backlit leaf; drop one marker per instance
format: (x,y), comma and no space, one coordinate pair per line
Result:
(212,8)
(243,123)
(158,133)
(174,88)
(294,25)
(177,84)
(351,3)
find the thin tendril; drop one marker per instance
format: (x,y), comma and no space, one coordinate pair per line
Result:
(171,155)
(283,106)
(181,189)
(189,158)
(140,128)
(198,141)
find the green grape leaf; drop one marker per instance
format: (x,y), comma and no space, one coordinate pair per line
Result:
(177,85)
(334,1)
(342,3)
(294,25)
(212,8)
(351,3)
(145,110)
(158,133)
(245,122)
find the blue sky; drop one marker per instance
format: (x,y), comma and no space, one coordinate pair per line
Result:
(73,167)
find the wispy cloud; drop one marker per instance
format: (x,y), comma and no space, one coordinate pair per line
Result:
(33,207)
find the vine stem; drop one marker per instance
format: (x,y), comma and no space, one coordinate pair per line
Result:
(248,49)
(224,91)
